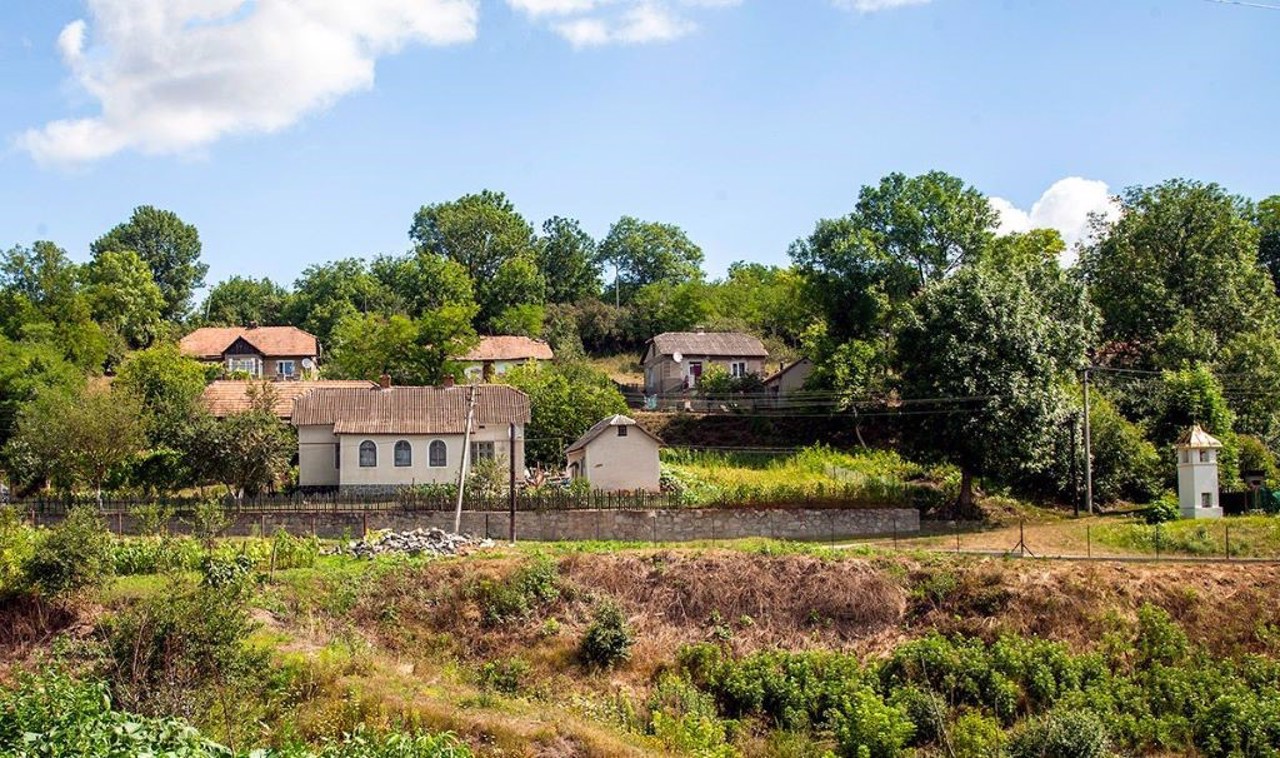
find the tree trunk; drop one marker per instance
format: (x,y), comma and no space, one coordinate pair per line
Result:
(964,508)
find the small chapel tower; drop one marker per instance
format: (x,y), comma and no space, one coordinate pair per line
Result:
(1198,474)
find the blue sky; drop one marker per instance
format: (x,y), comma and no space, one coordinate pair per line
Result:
(299,131)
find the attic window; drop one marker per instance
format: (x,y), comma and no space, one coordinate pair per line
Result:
(622,431)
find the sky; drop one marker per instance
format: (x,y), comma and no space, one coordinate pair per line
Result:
(293,132)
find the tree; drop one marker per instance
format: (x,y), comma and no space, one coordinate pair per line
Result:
(46,278)
(124,296)
(985,346)
(28,368)
(1269,237)
(666,306)
(1177,276)
(480,231)
(327,293)
(567,257)
(517,284)
(421,282)
(767,300)
(82,434)
(646,252)
(169,246)
(565,400)
(249,452)
(243,300)
(412,351)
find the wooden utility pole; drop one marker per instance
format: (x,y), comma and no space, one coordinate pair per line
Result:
(466,459)
(1088,445)
(511,491)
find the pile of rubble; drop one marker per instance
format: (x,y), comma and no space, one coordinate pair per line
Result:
(429,542)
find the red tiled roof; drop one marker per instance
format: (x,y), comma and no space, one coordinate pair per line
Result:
(225,397)
(212,341)
(507,348)
(410,410)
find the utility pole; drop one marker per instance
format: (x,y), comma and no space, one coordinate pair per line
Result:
(511,492)
(466,458)
(1088,444)
(1075,483)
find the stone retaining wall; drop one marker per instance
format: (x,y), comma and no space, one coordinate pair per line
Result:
(551,526)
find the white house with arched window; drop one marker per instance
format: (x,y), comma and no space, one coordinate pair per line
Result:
(380,439)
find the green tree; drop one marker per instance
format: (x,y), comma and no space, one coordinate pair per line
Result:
(516,283)
(480,231)
(567,257)
(124,296)
(766,300)
(423,281)
(565,400)
(327,293)
(170,246)
(647,252)
(243,300)
(46,278)
(250,451)
(1269,237)
(665,307)
(82,434)
(985,344)
(26,369)
(412,351)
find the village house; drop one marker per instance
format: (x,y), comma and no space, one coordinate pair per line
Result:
(225,397)
(675,361)
(789,378)
(495,356)
(261,352)
(617,455)
(381,439)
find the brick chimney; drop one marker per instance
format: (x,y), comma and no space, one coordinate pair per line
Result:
(384,381)
(448,380)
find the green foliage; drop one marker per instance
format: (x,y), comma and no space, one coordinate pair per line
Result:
(644,252)
(1069,734)
(124,296)
(170,247)
(244,300)
(684,719)
(208,519)
(507,676)
(567,257)
(18,543)
(1125,464)
(516,596)
(608,639)
(74,555)
(974,735)
(1163,510)
(327,293)
(866,727)
(249,451)
(565,399)
(413,352)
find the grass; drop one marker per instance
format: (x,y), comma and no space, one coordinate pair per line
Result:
(1250,537)
(623,368)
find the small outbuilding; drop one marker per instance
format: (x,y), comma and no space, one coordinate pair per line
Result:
(1198,474)
(617,455)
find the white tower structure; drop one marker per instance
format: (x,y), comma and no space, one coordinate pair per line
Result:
(1198,474)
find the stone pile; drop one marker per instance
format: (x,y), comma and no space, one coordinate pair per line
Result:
(429,542)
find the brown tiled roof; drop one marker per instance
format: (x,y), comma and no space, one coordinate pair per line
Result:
(719,344)
(605,424)
(212,341)
(509,349)
(225,397)
(410,410)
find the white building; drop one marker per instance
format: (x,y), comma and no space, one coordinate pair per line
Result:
(617,455)
(380,439)
(1198,474)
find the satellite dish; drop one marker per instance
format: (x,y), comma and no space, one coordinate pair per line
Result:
(678,357)
(308,364)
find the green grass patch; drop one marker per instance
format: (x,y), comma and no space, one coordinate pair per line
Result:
(1250,537)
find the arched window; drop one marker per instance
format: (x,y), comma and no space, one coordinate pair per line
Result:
(368,454)
(404,454)
(437,454)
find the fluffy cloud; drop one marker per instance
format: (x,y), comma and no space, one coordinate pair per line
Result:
(1066,207)
(592,23)
(173,75)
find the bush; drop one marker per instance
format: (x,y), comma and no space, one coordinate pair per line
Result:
(1163,510)
(1069,734)
(607,641)
(515,597)
(685,719)
(17,547)
(866,727)
(976,736)
(506,676)
(75,555)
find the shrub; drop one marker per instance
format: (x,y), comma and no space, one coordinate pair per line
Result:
(17,546)
(289,552)
(514,597)
(607,641)
(1163,510)
(1068,734)
(208,520)
(505,676)
(976,736)
(152,519)
(75,555)
(866,727)
(685,719)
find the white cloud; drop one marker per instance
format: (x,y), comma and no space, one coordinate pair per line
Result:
(174,75)
(592,23)
(1065,206)
(870,6)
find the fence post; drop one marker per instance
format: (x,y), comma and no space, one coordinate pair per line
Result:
(1088,541)
(1157,540)
(957,526)
(1228,540)
(895,531)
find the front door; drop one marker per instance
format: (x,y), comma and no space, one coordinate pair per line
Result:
(695,373)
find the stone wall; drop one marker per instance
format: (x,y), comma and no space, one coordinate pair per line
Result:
(551,526)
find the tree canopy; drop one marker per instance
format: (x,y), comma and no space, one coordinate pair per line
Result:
(169,246)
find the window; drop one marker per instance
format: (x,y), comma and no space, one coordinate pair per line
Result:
(337,455)
(482,451)
(1206,500)
(368,454)
(738,369)
(247,365)
(404,454)
(437,454)
(1204,456)
(286,368)
(622,431)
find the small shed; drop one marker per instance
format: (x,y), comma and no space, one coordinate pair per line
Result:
(617,455)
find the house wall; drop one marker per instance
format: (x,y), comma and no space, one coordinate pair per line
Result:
(270,367)
(793,380)
(475,369)
(315,457)
(622,464)
(663,375)
(1196,479)
(387,476)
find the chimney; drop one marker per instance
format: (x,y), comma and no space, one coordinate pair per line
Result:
(384,381)
(448,380)
(253,324)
